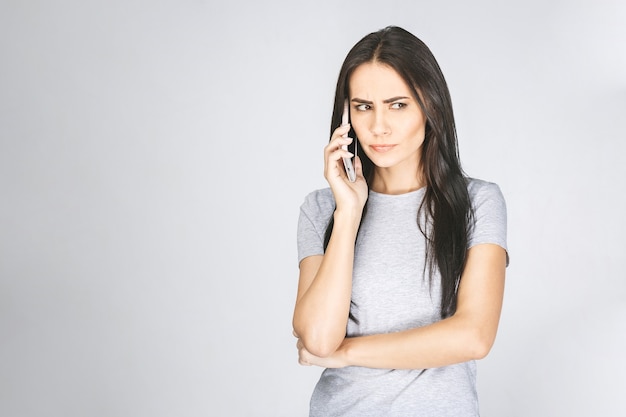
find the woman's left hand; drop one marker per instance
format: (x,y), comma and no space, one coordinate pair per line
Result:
(306,358)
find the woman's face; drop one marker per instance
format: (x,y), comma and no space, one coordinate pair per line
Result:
(386,117)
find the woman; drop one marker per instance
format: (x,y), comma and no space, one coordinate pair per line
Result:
(401,271)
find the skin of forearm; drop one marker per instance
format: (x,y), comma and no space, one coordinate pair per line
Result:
(322,312)
(446,342)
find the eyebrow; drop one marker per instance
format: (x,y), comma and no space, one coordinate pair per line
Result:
(387,101)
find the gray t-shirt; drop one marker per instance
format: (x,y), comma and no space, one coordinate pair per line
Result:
(390,293)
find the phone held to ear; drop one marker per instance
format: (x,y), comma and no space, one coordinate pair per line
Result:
(347,162)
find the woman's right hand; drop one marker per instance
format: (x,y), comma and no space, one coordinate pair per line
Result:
(348,195)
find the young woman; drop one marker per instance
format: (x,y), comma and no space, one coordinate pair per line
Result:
(401,271)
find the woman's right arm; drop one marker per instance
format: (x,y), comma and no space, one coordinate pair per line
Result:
(325,284)
(324,291)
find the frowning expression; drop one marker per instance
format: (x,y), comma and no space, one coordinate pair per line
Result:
(386,117)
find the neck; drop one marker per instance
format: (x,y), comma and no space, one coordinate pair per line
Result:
(386,181)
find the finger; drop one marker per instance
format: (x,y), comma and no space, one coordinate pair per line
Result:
(341,131)
(302,354)
(302,359)
(336,143)
(334,165)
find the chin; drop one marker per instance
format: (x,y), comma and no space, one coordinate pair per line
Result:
(384,162)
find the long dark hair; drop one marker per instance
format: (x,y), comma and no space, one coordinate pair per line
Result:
(446,205)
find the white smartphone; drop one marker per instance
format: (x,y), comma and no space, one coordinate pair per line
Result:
(347,162)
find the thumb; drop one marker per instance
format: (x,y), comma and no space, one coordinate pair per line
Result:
(358,166)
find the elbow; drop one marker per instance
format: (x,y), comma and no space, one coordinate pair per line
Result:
(480,344)
(317,342)
(320,349)
(475,336)
(319,345)
(481,350)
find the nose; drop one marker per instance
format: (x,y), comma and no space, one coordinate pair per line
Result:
(379,126)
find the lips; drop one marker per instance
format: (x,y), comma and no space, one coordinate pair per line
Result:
(382,148)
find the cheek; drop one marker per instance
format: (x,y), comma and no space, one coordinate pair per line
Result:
(415,129)
(359,129)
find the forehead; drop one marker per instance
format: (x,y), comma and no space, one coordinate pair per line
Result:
(377,81)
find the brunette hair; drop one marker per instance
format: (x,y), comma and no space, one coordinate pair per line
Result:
(446,205)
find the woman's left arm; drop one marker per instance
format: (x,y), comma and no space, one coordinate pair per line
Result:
(468,334)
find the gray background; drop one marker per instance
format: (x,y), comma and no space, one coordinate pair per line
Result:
(154,154)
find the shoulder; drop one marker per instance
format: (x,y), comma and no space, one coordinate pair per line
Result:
(315,213)
(317,209)
(483,192)
(489,213)
(319,201)
(482,188)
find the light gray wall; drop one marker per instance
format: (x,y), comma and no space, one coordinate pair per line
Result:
(153,157)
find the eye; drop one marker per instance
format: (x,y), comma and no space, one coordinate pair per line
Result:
(398,105)
(362,107)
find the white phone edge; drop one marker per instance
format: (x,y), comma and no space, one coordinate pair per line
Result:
(347,162)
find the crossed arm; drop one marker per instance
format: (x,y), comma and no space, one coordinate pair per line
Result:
(322,308)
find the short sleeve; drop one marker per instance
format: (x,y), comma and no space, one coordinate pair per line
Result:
(490,220)
(315,214)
